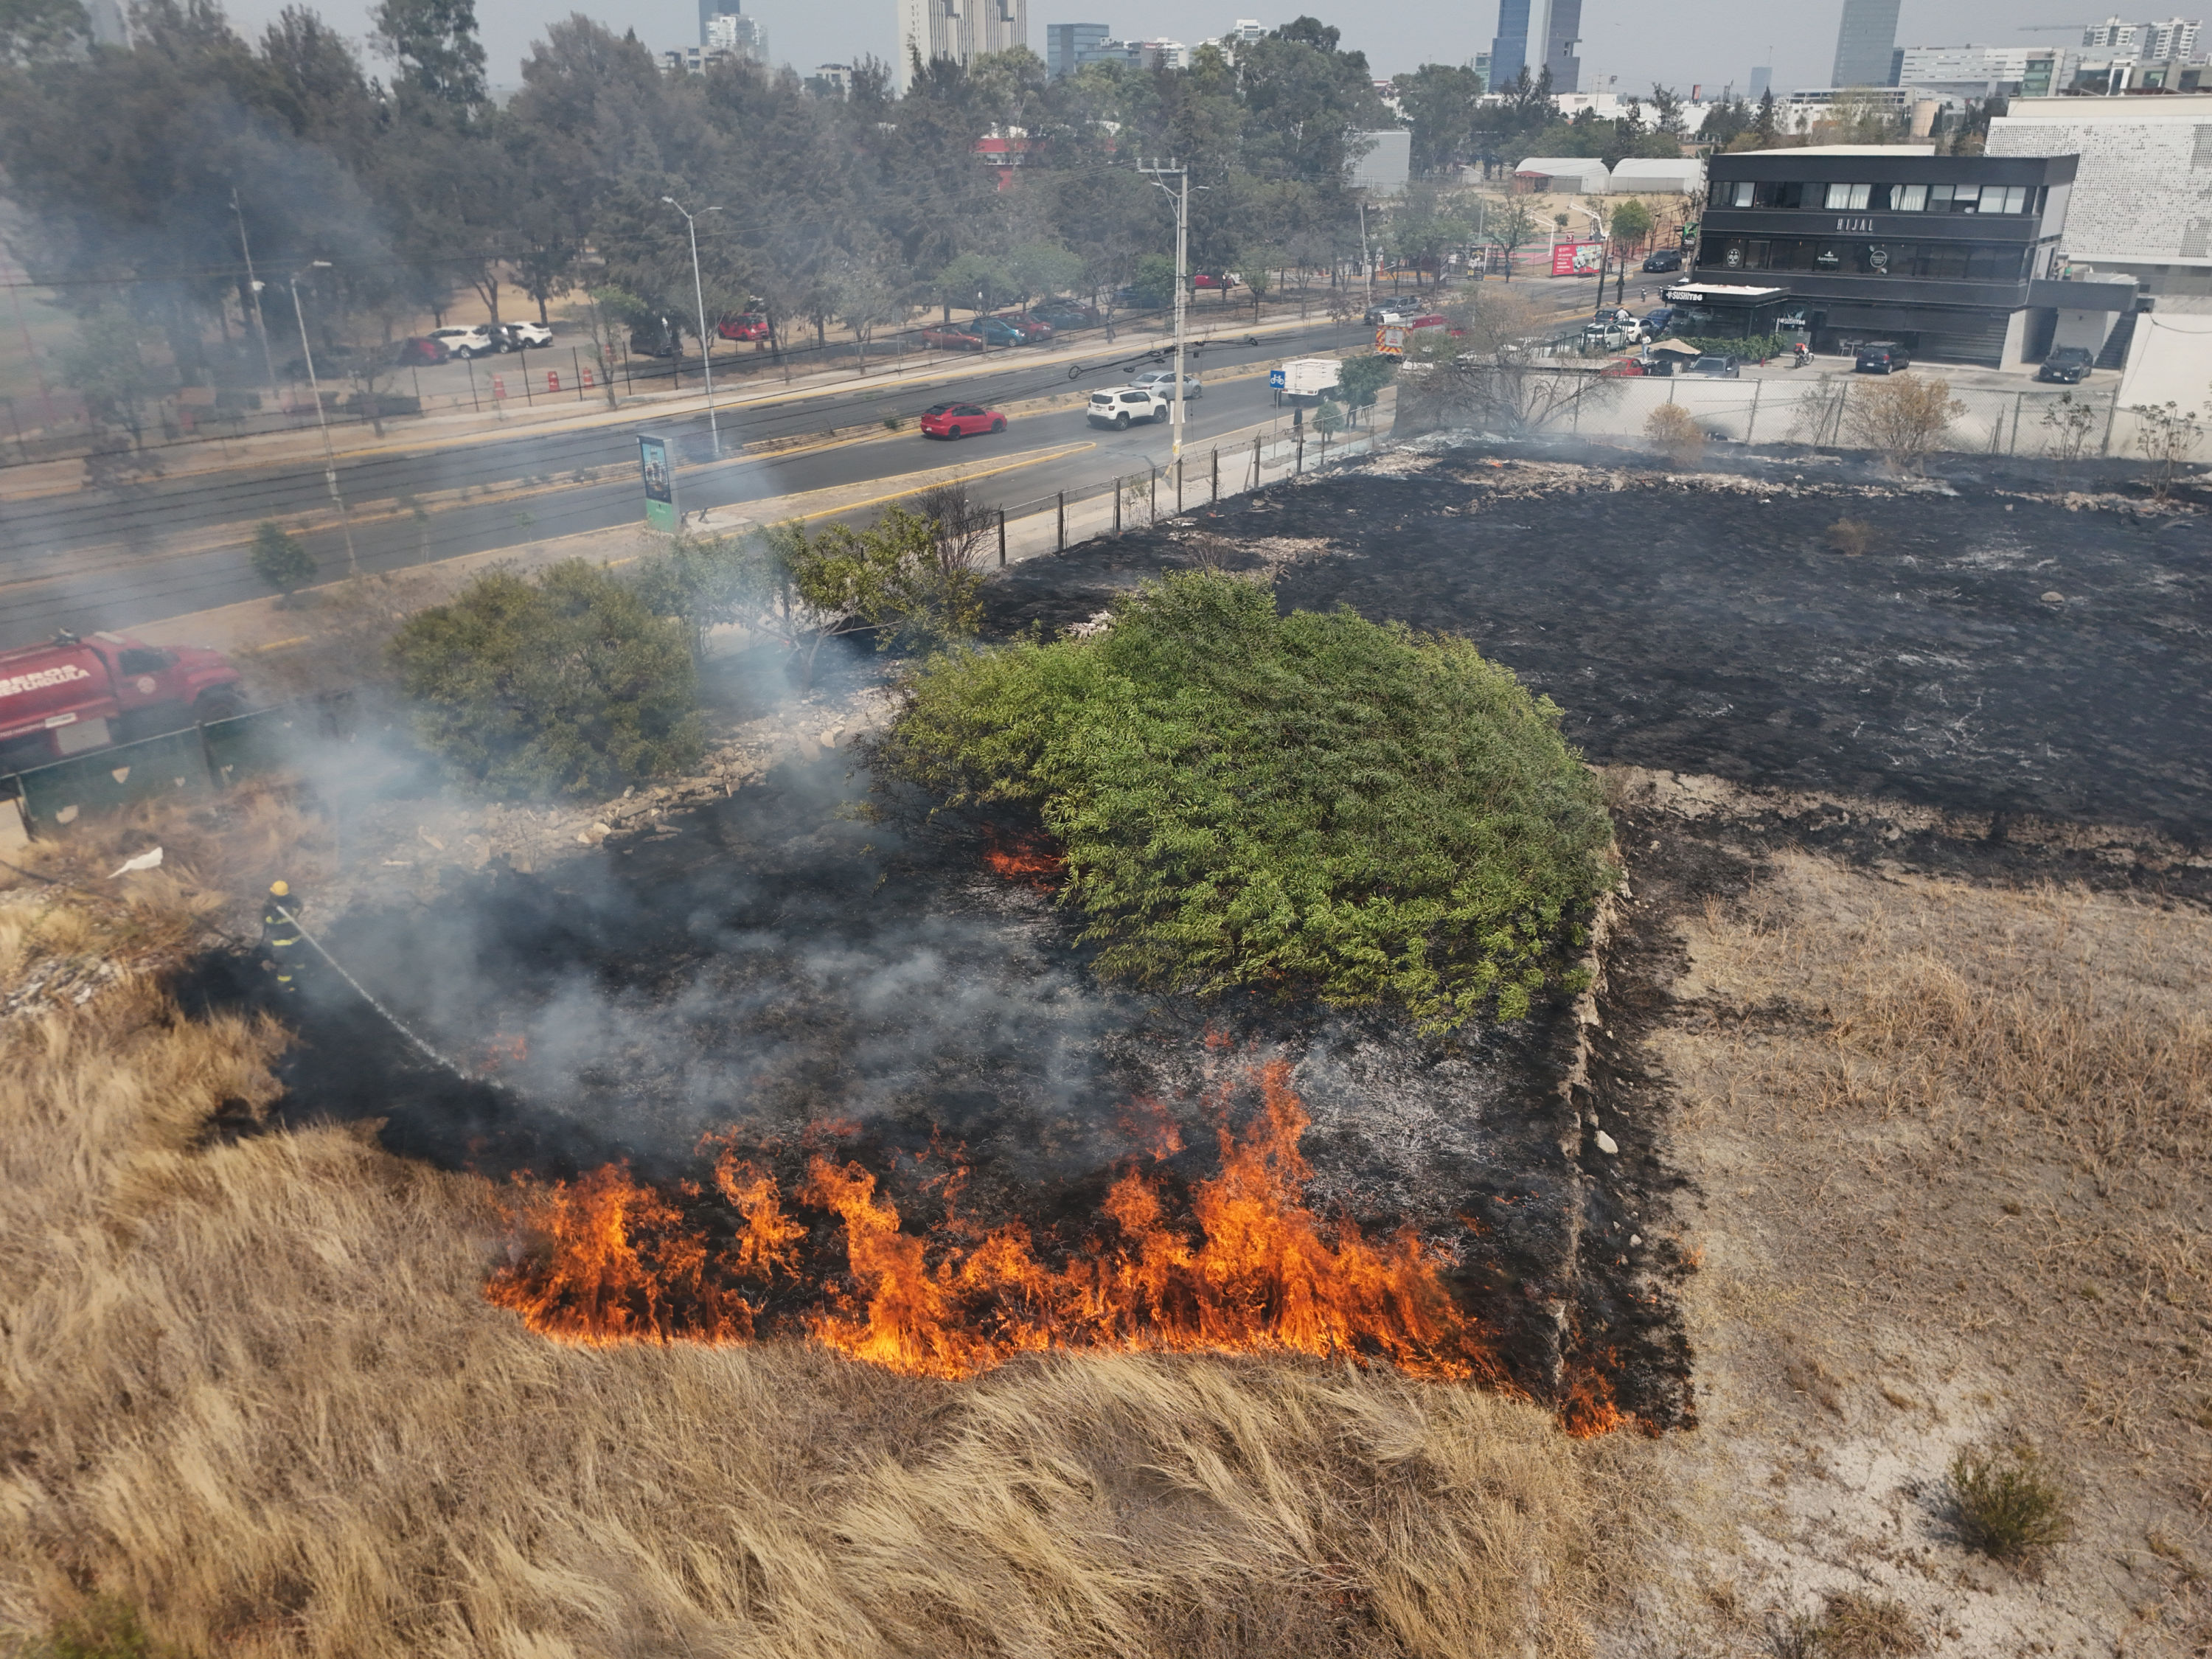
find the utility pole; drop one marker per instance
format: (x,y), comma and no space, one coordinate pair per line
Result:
(268,360)
(1181,199)
(315,391)
(706,342)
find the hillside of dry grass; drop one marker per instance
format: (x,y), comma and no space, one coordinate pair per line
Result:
(250,1386)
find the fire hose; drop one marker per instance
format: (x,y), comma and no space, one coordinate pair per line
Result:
(396,1024)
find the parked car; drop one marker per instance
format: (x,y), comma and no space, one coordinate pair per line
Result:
(474,340)
(522,336)
(1605,336)
(1882,357)
(1656,323)
(656,336)
(743,325)
(2068,365)
(951,337)
(1064,314)
(1163,380)
(960,420)
(1620,366)
(994,331)
(1667,258)
(1033,329)
(1125,404)
(1387,311)
(418,350)
(1724,368)
(1223,280)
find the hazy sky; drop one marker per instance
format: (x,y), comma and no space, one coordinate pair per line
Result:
(1686,42)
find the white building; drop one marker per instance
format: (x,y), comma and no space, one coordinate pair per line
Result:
(962,30)
(1659,175)
(740,36)
(1582,174)
(2174,38)
(2142,199)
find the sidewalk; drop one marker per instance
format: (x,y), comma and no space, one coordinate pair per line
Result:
(456,430)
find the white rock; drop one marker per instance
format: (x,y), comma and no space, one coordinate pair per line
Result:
(1605,1143)
(1634,1239)
(2054,597)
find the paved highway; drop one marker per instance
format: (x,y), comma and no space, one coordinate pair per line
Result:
(171,547)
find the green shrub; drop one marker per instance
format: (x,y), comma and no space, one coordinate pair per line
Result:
(280,558)
(1301,802)
(1751,349)
(569,683)
(2007,1504)
(105,1629)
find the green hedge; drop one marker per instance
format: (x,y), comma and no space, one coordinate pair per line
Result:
(1299,802)
(1751,350)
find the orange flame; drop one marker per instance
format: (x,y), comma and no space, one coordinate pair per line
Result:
(501,1050)
(1023,855)
(1250,1268)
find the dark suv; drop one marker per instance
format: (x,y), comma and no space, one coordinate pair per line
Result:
(1882,357)
(2069,366)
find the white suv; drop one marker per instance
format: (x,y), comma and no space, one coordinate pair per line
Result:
(522,336)
(474,340)
(1118,408)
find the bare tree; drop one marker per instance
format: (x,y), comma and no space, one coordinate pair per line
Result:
(964,528)
(1675,434)
(2069,420)
(1902,420)
(2167,435)
(1489,375)
(1819,417)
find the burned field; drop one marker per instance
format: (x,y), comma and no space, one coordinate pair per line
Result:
(817,1074)
(1992,651)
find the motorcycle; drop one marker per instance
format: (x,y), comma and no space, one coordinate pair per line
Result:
(1800,354)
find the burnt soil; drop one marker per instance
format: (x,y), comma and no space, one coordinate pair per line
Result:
(1708,624)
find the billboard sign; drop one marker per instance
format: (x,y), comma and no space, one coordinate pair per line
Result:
(659,483)
(1578,258)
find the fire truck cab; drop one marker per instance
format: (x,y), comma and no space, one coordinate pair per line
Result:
(75,695)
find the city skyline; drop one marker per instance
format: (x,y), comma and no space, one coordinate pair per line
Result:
(1620,50)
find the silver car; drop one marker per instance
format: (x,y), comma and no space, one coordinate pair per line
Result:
(1162,380)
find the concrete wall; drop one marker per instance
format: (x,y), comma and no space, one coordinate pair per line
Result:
(2142,199)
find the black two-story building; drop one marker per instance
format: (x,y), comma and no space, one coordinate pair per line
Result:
(1942,254)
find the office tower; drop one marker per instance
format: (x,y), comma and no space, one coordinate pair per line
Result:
(1563,28)
(1762,77)
(1866,42)
(1066,43)
(1509,52)
(960,30)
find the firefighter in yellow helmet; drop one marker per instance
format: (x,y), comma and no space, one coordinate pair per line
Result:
(280,938)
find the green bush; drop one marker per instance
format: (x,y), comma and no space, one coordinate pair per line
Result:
(105,1629)
(569,683)
(2007,1504)
(280,558)
(1303,802)
(1751,349)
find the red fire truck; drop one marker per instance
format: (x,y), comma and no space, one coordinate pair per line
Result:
(77,695)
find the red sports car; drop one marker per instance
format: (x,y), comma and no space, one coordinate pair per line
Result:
(743,325)
(959,420)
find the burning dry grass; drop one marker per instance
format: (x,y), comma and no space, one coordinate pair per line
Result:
(252,1388)
(1956,1149)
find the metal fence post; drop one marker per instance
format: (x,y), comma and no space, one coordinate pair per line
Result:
(1215,499)
(1002,538)
(1178,486)
(2018,399)
(1257,438)
(1060,530)
(576,367)
(1751,421)
(1117,506)
(2106,448)
(475,401)
(1298,460)
(1152,494)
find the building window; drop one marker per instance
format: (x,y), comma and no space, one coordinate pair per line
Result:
(1849,196)
(2005,199)
(1741,193)
(1909,198)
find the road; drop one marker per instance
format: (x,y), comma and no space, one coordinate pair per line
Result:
(116,557)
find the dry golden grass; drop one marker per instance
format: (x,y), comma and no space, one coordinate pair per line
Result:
(253,1389)
(1954,1149)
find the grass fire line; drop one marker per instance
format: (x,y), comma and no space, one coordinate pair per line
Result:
(1244,1266)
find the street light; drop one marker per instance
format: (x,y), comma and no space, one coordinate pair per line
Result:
(315,390)
(699,293)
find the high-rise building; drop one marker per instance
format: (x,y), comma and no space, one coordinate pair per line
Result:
(1064,43)
(1509,52)
(1866,41)
(2115,38)
(1553,43)
(1563,28)
(1762,77)
(741,36)
(960,30)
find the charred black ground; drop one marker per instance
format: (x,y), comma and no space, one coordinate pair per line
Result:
(1710,626)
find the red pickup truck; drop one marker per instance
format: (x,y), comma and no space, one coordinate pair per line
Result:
(76,695)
